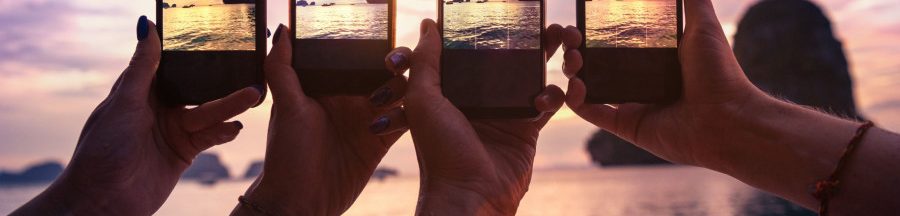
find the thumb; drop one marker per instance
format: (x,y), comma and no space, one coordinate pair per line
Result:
(138,77)
(424,73)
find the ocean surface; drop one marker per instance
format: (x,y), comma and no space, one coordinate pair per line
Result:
(492,25)
(214,27)
(344,20)
(631,23)
(654,190)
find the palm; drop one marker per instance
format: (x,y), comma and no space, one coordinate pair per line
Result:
(325,149)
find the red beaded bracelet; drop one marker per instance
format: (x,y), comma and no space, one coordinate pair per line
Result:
(825,189)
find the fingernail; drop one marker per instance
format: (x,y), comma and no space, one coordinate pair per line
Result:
(262,93)
(268,33)
(399,60)
(277,34)
(260,88)
(423,29)
(239,125)
(380,125)
(381,96)
(142,28)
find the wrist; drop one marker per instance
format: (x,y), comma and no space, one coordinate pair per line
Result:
(782,147)
(437,199)
(58,199)
(264,201)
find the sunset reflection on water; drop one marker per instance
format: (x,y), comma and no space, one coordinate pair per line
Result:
(632,24)
(492,25)
(214,27)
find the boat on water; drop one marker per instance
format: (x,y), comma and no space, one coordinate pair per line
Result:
(189,6)
(328,4)
(312,3)
(302,3)
(377,1)
(449,3)
(165,5)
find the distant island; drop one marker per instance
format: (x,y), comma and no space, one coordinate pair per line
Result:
(207,169)
(382,173)
(40,173)
(254,170)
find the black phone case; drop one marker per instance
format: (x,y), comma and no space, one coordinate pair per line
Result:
(489,84)
(342,66)
(630,75)
(197,77)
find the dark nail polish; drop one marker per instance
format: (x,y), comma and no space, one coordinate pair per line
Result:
(277,33)
(239,125)
(399,60)
(268,33)
(380,125)
(381,96)
(142,28)
(260,88)
(262,93)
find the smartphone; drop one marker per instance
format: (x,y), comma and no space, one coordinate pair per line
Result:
(209,48)
(630,50)
(492,62)
(340,45)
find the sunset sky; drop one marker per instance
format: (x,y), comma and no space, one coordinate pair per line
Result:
(58,58)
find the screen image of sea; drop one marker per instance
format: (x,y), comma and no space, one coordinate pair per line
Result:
(213,26)
(631,23)
(492,24)
(342,19)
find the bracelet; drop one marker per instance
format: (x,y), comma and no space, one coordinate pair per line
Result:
(825,189)
(244,202)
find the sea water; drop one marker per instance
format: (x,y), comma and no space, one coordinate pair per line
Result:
(653,190)
(344,20)
(631,23)
(492,25)
(210,28)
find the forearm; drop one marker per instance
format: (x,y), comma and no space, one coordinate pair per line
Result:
(785,148)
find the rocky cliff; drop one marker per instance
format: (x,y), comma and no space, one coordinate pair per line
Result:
(786,48)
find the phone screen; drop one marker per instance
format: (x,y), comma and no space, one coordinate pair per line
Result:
(492,64)
(342,19)
(208,25)
(631,23)
(495,24)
